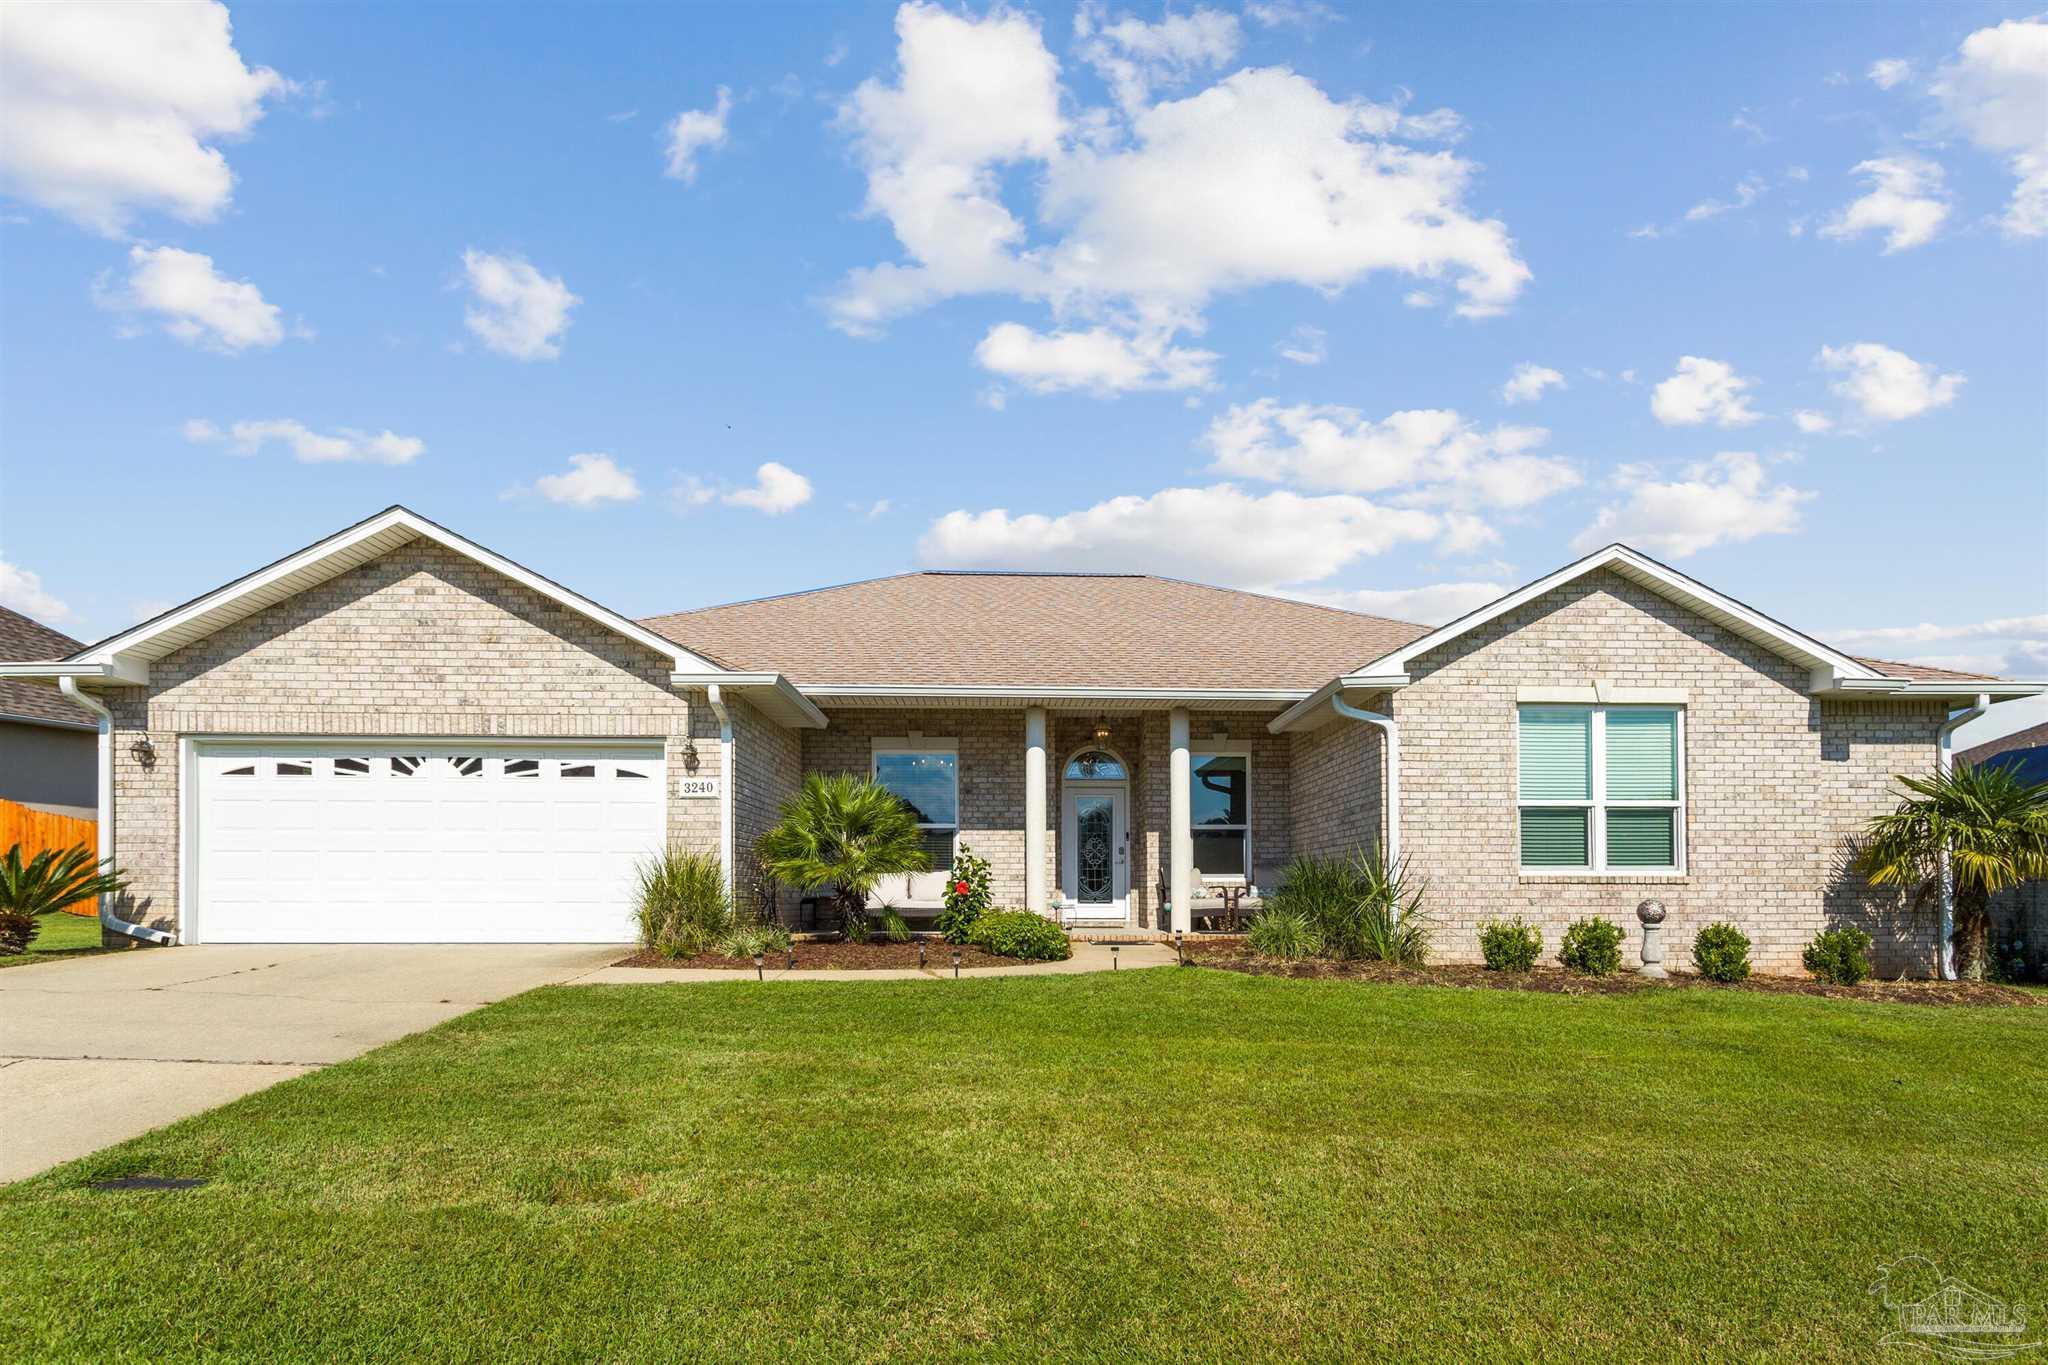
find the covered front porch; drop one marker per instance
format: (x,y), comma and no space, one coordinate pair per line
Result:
(1153,815)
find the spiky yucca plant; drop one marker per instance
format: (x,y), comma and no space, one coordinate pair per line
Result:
(48,882)
(1994,829)
(844,832)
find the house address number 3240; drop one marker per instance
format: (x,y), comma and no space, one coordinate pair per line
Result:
(697,786)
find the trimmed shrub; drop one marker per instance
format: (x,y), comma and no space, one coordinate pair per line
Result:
(967,895)
(1361,906)
(1021,934)
(1286,936)
(1840,955)
(1720,952)
(1591,947)
(1509,945)
(683,907)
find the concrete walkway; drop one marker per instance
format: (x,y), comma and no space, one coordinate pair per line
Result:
(97,1050)
(1088,957)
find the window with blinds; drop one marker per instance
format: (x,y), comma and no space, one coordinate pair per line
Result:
(1601,788)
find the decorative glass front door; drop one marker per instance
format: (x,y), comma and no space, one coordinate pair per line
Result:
(1095,860)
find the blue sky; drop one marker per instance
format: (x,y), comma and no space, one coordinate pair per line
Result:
(1235,294)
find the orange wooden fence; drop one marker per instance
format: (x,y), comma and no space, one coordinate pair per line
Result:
(37,830)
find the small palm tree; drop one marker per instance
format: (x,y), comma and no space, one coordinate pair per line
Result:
(846,832)
(51,880)
(1994,830)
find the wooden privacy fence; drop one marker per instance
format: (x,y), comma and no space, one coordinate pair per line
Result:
(36,830)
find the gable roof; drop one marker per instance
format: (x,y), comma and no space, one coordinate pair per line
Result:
(21,637)
(1012,631)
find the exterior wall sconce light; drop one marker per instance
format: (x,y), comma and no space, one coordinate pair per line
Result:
(143,752)
(690,759)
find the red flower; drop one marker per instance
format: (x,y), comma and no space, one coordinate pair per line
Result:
(959,888)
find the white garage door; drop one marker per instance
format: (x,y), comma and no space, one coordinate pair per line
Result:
(422,843)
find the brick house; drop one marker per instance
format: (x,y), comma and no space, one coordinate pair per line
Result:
(398,735)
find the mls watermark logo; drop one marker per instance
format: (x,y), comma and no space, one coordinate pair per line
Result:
(1941,1315)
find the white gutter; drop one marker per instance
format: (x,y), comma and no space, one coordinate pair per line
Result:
(68,685)
(725,782)
(1391,789)
(1945,764)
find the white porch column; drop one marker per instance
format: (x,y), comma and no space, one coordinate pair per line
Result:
(1180,837)
(1034,809)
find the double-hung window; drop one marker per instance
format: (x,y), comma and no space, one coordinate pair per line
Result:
(1220,812)
(924,775)
(1602,788)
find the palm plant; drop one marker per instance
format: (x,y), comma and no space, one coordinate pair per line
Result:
(1994,831)
(51,880)
(1362,906)
(844,832)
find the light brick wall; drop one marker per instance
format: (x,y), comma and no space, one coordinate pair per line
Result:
(1776,780)
(421,641)
(1338,773)
(768,768)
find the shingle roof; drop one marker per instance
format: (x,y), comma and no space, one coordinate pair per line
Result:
(1038,629)
(1922,672)
(22,639)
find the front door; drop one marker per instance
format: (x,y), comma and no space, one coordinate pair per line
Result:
(1095,858)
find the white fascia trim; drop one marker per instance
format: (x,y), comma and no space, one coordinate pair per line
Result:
(392,518)
(116,671)
(809,716)
(1802,647)
(1900,687)
(1003,691)
(1316,705)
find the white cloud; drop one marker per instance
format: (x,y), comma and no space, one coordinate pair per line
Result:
(1215,534)
(309,446)
(1887,385)
(192,301)
(1424,457)
(1996,91)
(1747,192)
(517,311)
(1528,382)
(871,511)
(1702,390)
(1887,72)
(1432,605)
(1146,211)
(1811,422)
(590,480)
(1302,14)
(1134,57)
(694,131)
(1907,202)
(23,591)
(1729,498)
(107,110)
(1305,345)
(777,489)
(2011,646)
(1419,298)
(1097,360)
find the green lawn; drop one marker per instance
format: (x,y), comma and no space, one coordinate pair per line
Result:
(59,936)
(1165,1164)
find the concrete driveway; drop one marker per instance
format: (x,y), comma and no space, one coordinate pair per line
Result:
(100,1049)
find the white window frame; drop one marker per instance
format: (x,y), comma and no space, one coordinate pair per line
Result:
(880,748)
(1195,757)
(1596,821)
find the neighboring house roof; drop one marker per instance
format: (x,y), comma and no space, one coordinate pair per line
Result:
(1048,630)
(23,638)
(2033,737)
(1893,668)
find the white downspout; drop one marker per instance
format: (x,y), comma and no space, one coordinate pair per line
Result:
(1392,786)
(725,782)
(105,851)
(1945,764)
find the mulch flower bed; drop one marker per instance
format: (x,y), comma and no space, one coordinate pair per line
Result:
(1235,957)
(852,957)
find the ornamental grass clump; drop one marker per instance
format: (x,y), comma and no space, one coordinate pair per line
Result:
(683,906)
(1509,945)
(1591,947)
(1285,936)
(1839,956)
(1720,952)
(1363,907)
